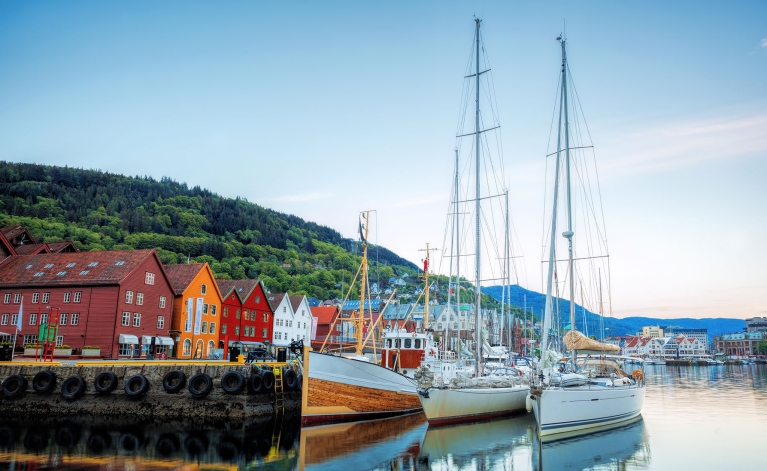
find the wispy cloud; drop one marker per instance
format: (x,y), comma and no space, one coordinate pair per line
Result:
(299,198)
(681,144)
(764,42)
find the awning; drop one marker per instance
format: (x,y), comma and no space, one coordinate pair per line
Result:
(147,340)
(129,339)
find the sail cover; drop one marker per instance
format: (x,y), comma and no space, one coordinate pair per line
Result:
(575,340)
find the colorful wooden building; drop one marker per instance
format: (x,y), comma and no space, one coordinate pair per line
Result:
(246,316)
(117,301)
(326,316)
(196,310)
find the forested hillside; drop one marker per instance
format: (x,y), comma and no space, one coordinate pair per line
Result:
(240,239)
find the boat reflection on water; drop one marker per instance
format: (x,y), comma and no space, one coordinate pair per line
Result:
(497,442)
(97,444)
(363,445)
(613,447)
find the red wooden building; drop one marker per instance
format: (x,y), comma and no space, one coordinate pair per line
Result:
(325,315)
(116,301)
(246,316)
(17,240)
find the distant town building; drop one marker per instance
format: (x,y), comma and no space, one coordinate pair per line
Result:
(756,324)
(651,332)
(700,334)
(739,344)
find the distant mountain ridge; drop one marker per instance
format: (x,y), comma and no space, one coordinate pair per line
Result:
(535,302)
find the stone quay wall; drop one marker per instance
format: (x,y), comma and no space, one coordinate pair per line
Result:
(156,403)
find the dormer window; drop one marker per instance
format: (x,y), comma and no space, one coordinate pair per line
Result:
(70,265)
(93,264)
(50,265)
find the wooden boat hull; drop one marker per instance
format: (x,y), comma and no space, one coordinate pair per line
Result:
(344,390)
(567,410)
(448,406)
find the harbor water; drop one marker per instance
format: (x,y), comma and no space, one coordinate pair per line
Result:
(694,417)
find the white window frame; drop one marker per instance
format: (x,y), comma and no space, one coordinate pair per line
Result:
(33,319)
(78,296)
(46,297)
(160,322)
(136,319)
(149,278)
(67,296)
(139,299)
(128,297)
(59,340)
(126,319)
(162,302)
(7,298)
(75,319)
(17,298)
(203,289)
(63,317)
(35,298)
(212,328)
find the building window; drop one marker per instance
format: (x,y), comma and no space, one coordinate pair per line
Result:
(283,308)
(78,296)
(63,318)
(136,319)
(129,297)
(46,297)
(93,264)
(59,340)
(187,347)
(160,322)
(162,302)
(30,339)
(237,330)
(277,336)
(205,308)
(226,312)
(43,318)
(263,333)
(203,289)
(188,324)
(32,319)
(17,298)
(126,318)
(258,299)
(149,278)
(75,318)
(125,349)
(266,317)
(139,299)
(212,327)
(67,296)
(213,309)
(223,329)
(237,314)
(204,327)
(35,298)
(7,298)
(14,319)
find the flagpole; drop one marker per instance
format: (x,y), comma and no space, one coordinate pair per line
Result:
(18,327)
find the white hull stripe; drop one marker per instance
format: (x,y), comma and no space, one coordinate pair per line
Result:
(575,423)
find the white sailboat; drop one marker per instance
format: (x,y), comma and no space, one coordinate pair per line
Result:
(591,390)
(466,399)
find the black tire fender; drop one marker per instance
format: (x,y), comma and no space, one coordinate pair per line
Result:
(200,385)
(255,383)
(174,381)
(14,386)
(136,386)
(267,380)
(44,382)
(299,382)
(73,388)
(105,382)
(289,379)
(232,382)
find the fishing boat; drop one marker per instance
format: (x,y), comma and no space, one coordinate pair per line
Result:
(351,387)
(588,389)
(462,398)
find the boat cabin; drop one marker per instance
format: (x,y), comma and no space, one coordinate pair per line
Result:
(403,351)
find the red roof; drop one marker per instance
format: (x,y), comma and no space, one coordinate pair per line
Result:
(80,268)
(32,249)
(182,275)
(66,245)
(324,314)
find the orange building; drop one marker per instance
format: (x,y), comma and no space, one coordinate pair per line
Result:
(196,310)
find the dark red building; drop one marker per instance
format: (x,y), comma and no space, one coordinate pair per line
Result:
(116,300)
(246,316)
(326,316)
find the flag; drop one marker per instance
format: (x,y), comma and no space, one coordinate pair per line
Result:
(18,321)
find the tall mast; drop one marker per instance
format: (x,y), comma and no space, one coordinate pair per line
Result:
(454,245)
(359,320)
(477,294)
(569,233)
(507,268)
(548,311)
(426,280)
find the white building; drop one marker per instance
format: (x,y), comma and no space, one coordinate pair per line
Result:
(302,319)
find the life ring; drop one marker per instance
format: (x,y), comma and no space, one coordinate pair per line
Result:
(136,386)
(200,385)
(232,382)
(14,386)
(174,381)
(73,387)
(637,375)
(44,382)
(431,351)
(105,382)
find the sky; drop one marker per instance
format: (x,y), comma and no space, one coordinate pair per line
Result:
(325,109)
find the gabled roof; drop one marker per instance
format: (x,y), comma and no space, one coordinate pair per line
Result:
(296,300)
(18,231)
(274,300)
(80,268)
(182,275)
(324,314)
(243,288)
(32,249)
(65,246)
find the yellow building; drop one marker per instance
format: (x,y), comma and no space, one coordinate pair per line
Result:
(195,324)
(652,331)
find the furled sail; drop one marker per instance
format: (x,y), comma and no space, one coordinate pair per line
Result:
(575,340)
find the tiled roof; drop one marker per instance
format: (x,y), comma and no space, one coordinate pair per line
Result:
(12,231)
(242,287)
(182,275)
(295,301)
(275,300)
(59,246)
(32,249)
(324,314)
(87,268)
